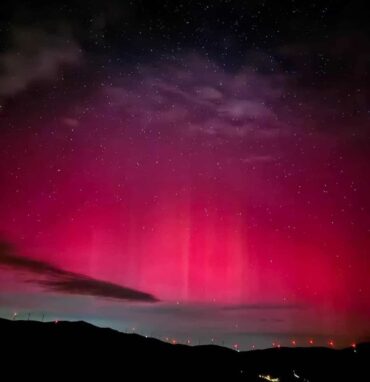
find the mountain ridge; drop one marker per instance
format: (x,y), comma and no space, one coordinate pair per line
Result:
(90,351)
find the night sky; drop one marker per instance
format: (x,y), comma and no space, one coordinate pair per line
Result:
(197,170)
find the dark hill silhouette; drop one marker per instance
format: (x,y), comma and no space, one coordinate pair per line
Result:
(76,350)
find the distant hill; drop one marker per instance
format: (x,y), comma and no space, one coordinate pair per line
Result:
(80,351)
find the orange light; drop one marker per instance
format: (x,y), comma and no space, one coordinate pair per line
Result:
(353,346)
(331,343)
(294,342)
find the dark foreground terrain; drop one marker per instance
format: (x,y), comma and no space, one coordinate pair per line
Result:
(79,351)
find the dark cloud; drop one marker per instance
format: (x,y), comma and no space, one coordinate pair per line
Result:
(246,84)
(35,55)
(55,279)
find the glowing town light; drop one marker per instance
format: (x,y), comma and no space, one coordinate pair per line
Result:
(236,346)
(294,342)
(269,378)
(331,343)
(311,341)
(295,375)
(353,345)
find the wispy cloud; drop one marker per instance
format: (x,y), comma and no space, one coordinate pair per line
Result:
(200,97)
(35,55)
(56,279)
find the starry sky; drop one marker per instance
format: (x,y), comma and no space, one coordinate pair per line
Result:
(191,170)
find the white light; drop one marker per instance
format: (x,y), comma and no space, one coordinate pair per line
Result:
(269,378)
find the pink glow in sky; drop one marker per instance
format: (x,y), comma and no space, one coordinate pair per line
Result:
(195,185)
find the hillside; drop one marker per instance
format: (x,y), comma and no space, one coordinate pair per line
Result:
(68,350)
